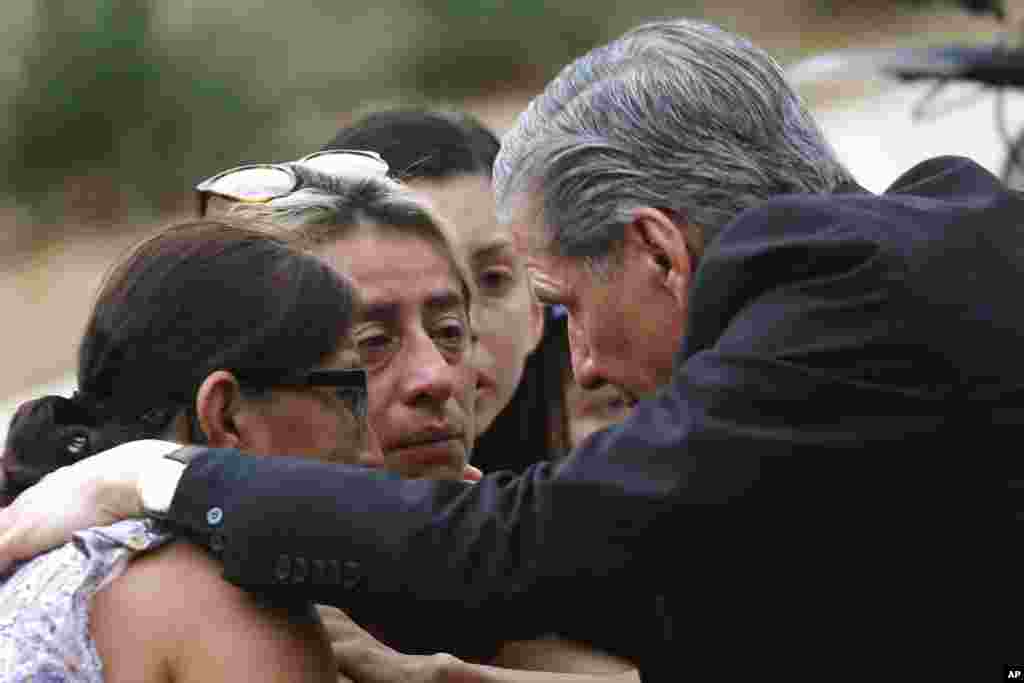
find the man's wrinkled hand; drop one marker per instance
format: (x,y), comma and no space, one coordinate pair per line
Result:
(364,659)
(472,474)
(97,491)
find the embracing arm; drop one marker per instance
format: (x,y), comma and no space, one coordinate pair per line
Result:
(792,323)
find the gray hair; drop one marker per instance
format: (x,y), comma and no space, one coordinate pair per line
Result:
(328,209)
(678,115)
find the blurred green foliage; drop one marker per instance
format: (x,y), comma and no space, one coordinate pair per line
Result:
(103,102)
(122,105)
(502,41)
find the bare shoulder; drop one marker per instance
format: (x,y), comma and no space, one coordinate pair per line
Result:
(166,588)
(136,620)
(176,580)
(172,616)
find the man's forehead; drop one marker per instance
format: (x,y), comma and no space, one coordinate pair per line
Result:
(554,279)
(547,272)
(546,279)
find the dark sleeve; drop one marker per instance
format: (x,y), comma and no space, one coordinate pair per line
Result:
(399,553)
(778,337)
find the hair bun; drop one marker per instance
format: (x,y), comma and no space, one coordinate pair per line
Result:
(44,435)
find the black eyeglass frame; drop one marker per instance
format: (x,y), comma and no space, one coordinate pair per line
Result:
(204,189)
(344,381)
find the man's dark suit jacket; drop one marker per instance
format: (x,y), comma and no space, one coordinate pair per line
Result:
(786,493)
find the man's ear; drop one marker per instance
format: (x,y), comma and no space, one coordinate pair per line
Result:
(661,238)
(217,403)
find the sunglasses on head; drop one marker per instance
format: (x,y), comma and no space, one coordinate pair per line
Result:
(261,183)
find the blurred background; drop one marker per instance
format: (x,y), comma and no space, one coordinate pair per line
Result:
(115,108)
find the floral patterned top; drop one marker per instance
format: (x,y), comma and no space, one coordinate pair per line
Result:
(44,602)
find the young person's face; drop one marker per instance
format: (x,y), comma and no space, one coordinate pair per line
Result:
(506,315)
(414,339)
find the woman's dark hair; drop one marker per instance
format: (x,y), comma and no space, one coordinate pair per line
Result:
(196,298)
(534,426)
(423,143)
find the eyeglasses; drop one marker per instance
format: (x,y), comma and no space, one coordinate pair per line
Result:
(349,385)
(261,183)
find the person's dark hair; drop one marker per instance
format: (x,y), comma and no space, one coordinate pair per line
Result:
(196,298)
(423,143)
(534,426)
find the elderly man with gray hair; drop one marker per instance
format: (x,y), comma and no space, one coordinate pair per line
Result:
(798,349)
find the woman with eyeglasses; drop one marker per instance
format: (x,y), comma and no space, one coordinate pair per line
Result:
(209,333)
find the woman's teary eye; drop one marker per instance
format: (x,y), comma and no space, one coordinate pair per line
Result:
(372,346)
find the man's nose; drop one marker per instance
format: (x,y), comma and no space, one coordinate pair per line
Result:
(584,369)
(431,377)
